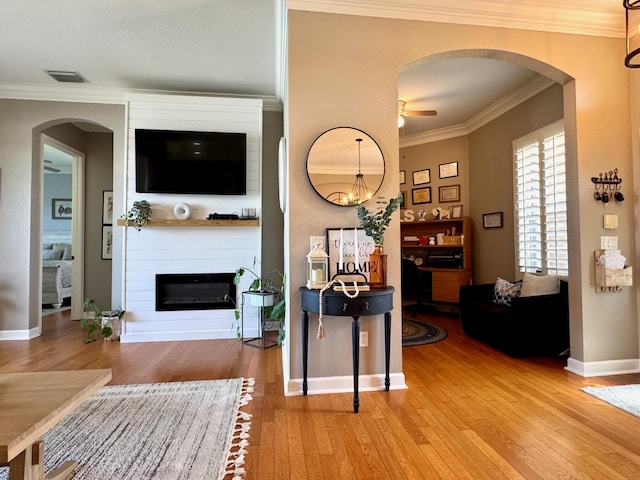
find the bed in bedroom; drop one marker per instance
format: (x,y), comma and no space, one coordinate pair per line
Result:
(56,273)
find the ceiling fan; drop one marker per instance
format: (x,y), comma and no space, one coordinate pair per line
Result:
(50,169)
(412,113)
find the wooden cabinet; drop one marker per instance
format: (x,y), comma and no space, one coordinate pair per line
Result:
(449,262)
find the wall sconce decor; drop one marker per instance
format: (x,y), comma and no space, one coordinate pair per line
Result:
(608,186)
(632,21)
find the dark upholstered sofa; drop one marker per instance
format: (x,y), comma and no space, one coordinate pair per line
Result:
(531,327)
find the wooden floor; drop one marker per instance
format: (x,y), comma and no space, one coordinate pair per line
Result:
(469,412)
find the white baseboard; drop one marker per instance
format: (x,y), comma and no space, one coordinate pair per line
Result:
(179,336)
(19,334)
(603,368)
(344,384)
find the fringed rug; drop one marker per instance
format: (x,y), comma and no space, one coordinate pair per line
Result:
(181,430)
(625,397)
(418,332)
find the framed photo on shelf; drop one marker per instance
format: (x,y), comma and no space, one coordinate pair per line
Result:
(365,247)
(421,177)
(456,211)
(448,170)
(421,195)
(107,242)
(403,202)
(61,208)
(449,193)
(403,177)
(492,220)
(107,207)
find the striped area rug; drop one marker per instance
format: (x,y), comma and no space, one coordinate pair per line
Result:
(181,430)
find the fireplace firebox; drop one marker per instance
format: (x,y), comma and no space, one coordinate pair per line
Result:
(195,291)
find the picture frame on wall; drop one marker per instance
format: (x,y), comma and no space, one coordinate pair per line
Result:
(448,170)
(421,177)
(107,207)
(61,208)
(403,177)
(492,220)
(403,201)
(365,248)
(449,193)
(456,211)
(421,195)
(107,242)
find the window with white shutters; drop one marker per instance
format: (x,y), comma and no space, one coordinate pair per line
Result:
(541,201)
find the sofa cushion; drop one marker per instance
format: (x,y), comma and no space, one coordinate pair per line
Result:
(535,285)
(504,291)
(52,254)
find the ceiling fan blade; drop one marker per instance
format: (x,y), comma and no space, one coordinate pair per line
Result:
(420,113)
(51,169)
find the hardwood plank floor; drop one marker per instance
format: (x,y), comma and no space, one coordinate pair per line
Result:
(470,412)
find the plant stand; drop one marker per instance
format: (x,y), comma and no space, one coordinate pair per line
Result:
(259,300)
(111,319)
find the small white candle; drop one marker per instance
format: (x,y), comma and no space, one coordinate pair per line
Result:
(340,259)
(356,255)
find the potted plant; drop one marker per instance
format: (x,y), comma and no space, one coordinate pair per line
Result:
(138,215)
(98,322)
(265,291)
(374,223)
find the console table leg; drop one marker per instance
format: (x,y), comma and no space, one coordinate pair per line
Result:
(387,348)
(355,349)
(305,347)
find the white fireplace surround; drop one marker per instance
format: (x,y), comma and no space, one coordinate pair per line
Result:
(189,249)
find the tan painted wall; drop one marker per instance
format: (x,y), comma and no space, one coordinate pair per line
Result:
(343,71)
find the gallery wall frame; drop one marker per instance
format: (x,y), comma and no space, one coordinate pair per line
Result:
(107,207)
(448,170)
(421,195)
(449,193)
(403,177)
(107,242)
(456,211)
(420,177)
(403,201)
(61,208)
(492,220)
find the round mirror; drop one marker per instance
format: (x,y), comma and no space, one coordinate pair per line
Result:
(345,166)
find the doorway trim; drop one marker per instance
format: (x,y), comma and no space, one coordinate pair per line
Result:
(77,221)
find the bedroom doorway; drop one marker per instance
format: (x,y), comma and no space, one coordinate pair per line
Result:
(62,225)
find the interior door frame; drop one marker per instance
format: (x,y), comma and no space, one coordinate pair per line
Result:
(77,221)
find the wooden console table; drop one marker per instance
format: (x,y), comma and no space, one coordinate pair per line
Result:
(32,403)
(373,302)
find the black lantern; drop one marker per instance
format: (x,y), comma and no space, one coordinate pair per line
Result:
(632,11)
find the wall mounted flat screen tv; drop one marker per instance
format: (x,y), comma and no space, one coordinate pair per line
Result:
(209,163)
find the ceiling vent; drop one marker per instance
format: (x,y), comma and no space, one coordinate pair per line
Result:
(66,77)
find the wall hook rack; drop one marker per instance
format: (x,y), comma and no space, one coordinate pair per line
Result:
(608,187)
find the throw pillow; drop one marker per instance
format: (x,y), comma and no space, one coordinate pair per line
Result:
(504,291)
(534,285)
(52,254)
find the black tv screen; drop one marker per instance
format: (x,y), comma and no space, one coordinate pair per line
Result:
(210,163)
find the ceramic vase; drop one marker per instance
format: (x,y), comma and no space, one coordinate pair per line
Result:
(378,268)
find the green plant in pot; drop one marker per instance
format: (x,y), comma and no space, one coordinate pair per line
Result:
(100,323)
(138,215)
(266,291)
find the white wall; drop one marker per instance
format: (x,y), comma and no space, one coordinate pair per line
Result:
(156,250)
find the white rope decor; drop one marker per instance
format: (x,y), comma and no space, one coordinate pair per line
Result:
(320,335)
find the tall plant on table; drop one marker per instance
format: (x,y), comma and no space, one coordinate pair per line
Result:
(375,222)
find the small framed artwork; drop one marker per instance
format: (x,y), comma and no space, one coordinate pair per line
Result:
(421,177)
(449,193)
(448,170)
(403,202)
(403,177)
(107,207)
(107,242)
(61,208)
(492,220)
(456,211)
(421,195)
(343,239)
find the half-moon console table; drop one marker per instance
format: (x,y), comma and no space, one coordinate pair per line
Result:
(374,302)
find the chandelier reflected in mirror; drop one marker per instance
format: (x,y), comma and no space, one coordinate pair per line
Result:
(632,11)
(359,191)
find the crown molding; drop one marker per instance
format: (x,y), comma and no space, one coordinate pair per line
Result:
(493,111)
(549,16)
(84,94)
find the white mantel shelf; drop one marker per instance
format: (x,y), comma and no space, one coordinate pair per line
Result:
(169,222)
